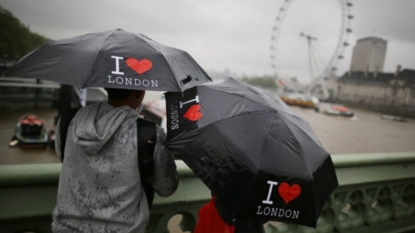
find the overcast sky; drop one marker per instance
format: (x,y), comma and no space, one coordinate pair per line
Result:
(230,35)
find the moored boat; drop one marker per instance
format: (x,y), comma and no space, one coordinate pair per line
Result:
(334,109)
(300,100)
(30,132)
(393,118)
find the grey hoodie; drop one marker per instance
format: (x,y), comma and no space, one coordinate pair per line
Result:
(99,184)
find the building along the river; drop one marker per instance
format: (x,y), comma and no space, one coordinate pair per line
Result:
(392,92)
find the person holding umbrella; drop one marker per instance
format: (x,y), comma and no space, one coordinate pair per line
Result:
(100,185)
(264,162)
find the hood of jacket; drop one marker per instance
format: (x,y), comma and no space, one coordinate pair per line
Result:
(95,124)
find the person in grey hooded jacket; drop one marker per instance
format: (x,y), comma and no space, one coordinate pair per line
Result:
(99,185)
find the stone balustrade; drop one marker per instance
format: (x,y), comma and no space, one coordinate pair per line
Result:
(376,194)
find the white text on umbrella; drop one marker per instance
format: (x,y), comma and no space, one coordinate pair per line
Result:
(271,184)
(117,65)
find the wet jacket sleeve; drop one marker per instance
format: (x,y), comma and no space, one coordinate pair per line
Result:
(166,178)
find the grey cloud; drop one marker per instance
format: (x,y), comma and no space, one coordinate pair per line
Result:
(219,34)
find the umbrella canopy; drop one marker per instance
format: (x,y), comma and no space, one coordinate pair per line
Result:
(252,150)
(114,59)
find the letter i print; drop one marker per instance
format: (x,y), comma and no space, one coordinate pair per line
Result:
(196,99)
(271,184)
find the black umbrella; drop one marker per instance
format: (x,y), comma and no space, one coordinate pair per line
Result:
(249,148)
(114,59)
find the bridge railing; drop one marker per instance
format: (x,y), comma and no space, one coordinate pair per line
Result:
(376,194)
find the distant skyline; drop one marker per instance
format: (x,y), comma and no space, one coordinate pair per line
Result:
(231,36)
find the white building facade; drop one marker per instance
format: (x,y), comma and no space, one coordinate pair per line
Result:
(393,91)
(369,55)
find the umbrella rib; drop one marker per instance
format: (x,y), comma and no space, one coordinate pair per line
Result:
(269,134)
(168,65)
(247,98)
(307,135)
(36,55)
(296,142)
(46,71)
(213,122)
(95,59)
(318,142)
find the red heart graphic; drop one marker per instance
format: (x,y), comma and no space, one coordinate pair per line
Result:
(193,113)
(289,193)
(139,66)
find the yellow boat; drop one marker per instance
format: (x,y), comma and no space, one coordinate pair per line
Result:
(298,100)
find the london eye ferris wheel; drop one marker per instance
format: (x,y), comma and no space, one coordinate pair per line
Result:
(308,40)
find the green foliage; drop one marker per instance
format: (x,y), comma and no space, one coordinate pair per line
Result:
(262,82)
(16,39)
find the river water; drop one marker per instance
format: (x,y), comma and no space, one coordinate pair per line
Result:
(366,132)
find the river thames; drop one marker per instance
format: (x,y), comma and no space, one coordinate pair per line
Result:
(366,132)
